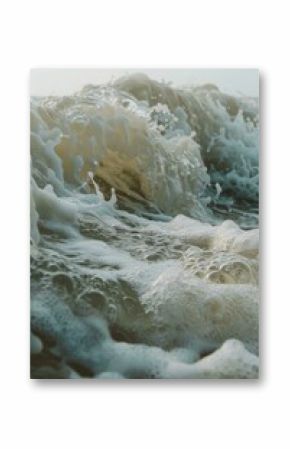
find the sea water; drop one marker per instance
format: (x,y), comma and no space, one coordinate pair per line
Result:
(144,232)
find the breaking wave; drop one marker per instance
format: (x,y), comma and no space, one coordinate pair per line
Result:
(144,239)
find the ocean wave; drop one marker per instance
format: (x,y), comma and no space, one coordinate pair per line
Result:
(144,247)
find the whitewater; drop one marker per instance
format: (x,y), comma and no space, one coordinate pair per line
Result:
(144,233)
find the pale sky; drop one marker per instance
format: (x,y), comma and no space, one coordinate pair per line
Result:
(68,81)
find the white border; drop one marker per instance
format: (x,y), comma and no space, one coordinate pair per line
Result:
(153,34)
